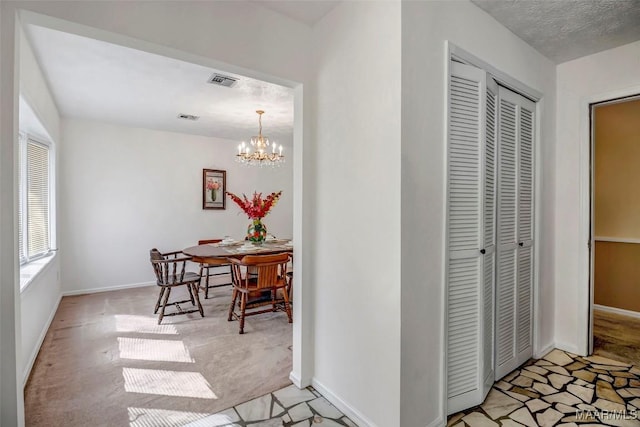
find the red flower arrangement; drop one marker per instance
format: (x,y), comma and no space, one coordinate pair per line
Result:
(257,207)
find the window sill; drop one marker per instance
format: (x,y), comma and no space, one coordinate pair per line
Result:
(31,270)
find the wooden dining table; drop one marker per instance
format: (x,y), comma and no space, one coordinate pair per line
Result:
(215,251)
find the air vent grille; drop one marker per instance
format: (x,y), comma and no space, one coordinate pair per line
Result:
(222,80)
(188,117)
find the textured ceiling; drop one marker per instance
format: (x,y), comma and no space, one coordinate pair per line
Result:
(563,30)
(96,80)
(306,11)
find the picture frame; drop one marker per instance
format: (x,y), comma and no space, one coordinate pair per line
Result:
(214,189)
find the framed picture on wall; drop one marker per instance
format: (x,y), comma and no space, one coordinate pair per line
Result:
(214,189)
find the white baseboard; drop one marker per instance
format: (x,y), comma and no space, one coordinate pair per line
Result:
(36,350)
(353,414)
(296,380)
(107,289)
(616,310)
(438,422)
(569,348)
(543,351)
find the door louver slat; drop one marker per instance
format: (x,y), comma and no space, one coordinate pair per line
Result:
(464,170)
(463,327)
(524,339)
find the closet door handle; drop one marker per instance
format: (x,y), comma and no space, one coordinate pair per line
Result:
(521,243)
(483,251)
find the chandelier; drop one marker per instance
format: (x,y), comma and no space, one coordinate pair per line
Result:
(260,151)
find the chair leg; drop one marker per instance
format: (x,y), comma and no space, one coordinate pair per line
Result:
(164,304)
(193,301)
(287,307)
(234,297)
(243,306)
(200,282)
(159,299)
(206,288)
(197,296)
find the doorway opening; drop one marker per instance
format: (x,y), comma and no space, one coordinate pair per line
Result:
(297,367)
(615,229)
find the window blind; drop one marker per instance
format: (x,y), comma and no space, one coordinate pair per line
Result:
(37,198)
(21,204)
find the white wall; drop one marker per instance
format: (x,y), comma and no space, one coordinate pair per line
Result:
(39,303)
(126,190)
(34,89)
(39,300)
(11,400)
(602,76)
(357,199)
(425,28)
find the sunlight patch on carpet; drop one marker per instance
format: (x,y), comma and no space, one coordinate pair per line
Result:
(224,418)
(158,350)
(167,383)
(146,417)
(143,325)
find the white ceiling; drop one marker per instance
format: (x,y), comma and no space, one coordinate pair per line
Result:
(563,30)
(306,11)
(96,80)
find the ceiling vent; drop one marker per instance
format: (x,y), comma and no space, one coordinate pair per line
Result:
(188,117)
(221,80)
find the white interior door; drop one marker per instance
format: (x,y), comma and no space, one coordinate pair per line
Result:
(468,307)
(514,343)
(524,291)
(489,232)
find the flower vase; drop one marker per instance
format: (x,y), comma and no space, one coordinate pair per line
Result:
(257,231)
(213,195)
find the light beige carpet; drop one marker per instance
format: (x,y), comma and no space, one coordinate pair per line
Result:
(105,360)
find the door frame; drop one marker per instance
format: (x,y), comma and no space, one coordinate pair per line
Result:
(635,95)
(454,52)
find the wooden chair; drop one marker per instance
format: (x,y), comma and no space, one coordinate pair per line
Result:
(213,269)
(290,285)
(170,272)
(290,279)
(268,273)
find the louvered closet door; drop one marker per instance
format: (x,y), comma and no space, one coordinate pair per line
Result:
(489,225)
(514,344)
(467,342)
(524,292)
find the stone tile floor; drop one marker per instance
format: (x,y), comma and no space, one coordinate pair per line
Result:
(288,407)
(561,389)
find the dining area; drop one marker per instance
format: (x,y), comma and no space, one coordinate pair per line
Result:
(257,270)
(189,367)
(209,339)
(189,312)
